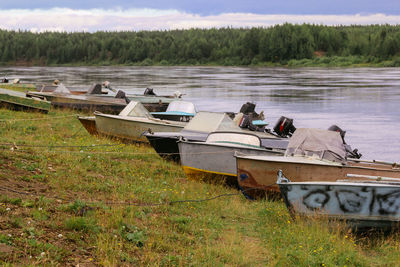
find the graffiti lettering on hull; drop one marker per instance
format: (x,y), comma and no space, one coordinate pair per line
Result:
(368,200)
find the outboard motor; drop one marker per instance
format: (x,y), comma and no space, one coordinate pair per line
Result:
(149,91)
(246,122)
(249,109)
(284,127)
(350,153)
(231,114)
(335,128)
(95,89)
(121,94)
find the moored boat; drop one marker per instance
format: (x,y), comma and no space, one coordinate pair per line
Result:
(165,143)
(95,99)
(18,101)
(372,201)
(132,122)
(199,127)
(312,155)
(215,157)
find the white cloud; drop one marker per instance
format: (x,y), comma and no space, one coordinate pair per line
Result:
(65,19)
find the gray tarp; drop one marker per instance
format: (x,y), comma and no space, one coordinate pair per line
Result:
(317,142)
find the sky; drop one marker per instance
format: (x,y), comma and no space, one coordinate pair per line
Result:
(136,15)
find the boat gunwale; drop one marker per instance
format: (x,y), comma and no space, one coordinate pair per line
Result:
(134,119)
(316,162)
(342,184)
(239,146)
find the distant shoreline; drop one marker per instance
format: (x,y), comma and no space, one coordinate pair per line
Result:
(287,45)
(328,62)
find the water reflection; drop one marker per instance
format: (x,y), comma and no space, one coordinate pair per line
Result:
(364,101)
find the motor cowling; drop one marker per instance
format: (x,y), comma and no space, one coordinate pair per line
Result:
(350,153)
(335,128)
(284,127)
(246,122)
(149,91)
(247,108)
(121,94)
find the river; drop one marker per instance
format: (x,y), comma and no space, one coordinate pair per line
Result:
(363,101)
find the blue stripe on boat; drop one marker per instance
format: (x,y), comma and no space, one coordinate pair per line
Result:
(259,123)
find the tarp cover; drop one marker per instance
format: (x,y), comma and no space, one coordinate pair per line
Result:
(319,143)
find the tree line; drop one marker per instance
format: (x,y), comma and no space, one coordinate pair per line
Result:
(226,46)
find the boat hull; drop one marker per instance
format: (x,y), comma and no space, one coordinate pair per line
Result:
(131,129)
(166,144)
(201,158)
(360,204)
(260,173)
(18,101)
(89,122)
(101,103)
(165,147)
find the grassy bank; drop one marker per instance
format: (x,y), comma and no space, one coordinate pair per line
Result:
(325,61)
(18,87)
(67,197)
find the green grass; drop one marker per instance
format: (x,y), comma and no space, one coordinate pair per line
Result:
(324,61)
(79,208)
(18,87)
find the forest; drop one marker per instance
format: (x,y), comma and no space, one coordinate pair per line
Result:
(286,44)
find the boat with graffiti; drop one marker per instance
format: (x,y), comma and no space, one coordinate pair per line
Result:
(369,201)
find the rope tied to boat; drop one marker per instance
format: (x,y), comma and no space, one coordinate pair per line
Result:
(140,204)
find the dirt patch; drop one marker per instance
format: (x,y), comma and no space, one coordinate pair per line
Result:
(5,249)
(33,232)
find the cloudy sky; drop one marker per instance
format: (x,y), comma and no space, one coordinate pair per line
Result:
(111,15)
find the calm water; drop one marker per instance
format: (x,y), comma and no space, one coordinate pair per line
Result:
(363,101)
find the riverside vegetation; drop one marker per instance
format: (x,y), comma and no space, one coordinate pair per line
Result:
(287,44)
(67,197)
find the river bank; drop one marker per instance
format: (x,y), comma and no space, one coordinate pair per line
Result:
(318,61)
(68,198)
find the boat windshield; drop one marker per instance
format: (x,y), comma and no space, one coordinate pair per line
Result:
(182,106)
(206,122)
(135,109)
(62,89)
